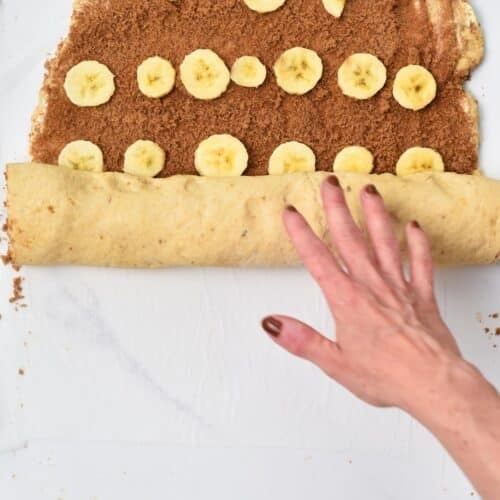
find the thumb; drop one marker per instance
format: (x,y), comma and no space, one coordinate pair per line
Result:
(303,341)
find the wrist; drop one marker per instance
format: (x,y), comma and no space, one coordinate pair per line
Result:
(463,412)
(455,401)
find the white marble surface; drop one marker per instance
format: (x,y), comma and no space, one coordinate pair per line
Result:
(160,384)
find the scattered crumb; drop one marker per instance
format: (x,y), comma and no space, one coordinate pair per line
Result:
(494,316)
(7,259)
(486,330)
(17,290)
(479,317)
(51,209)
(497,332)
(21,371)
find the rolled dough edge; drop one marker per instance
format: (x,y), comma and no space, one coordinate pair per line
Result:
(61,216)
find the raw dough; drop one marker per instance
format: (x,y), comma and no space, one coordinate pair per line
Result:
(62,216)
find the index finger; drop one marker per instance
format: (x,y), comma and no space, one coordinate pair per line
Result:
(318,259)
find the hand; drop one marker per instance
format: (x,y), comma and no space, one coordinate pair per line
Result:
(390,335)
(392,347)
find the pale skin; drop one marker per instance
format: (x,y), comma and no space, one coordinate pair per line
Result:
(392,347)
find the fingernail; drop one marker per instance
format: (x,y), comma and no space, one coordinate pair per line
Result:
(415,224)
(291,208)
(272,326)
(371,189)
(333,181)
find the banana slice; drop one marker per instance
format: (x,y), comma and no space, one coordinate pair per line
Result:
(414,87)
(221,156)
(355,159)
(417,160)
(292,158)
(248,71)
(334,7)
(82,155)
(298,70)
(89,83)
(156,77)
(263,6)
(204,74)
(144,159)
(361,76)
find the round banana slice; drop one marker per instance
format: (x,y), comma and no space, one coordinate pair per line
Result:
(355,159)
(156,77)
(89,83)
(334,7)
(82,155)
(204,74)
(292,158)
(221,156)
(298,70)
(361,76)
(414,87)
(248,71)
(416,160)
(144,159)
(263,6)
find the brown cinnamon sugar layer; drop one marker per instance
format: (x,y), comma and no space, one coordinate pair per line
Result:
(122,33)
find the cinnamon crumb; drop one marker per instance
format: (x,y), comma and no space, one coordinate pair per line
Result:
(497,332)
(109,32)
(17,290)
(494,316)
(486,330)
(21,372)
(7,259)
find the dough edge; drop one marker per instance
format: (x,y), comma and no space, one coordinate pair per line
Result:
(62,216)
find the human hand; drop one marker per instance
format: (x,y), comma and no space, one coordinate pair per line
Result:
(392,347)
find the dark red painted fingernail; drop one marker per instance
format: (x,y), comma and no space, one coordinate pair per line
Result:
(333,181)
(291,208)
(371,189)
(272,326)
(415,224)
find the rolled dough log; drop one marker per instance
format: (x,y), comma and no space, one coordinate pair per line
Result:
(61,216)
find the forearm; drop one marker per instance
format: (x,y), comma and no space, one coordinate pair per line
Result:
(464,414)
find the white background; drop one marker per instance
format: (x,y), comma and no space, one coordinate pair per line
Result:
(155,385)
